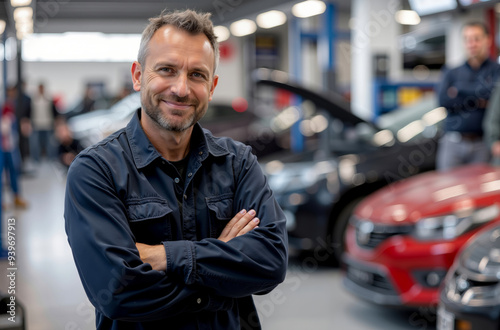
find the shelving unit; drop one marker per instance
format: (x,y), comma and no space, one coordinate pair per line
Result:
(388,96)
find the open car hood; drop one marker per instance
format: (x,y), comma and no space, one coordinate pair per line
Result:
(332,102)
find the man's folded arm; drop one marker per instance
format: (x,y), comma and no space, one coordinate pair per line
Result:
(115,279)
(252,263)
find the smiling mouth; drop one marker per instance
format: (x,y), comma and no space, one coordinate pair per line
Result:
(177,105)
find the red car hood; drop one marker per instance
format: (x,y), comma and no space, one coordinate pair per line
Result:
(433,193)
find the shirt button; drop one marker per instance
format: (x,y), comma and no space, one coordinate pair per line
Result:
(198,301)
(201,153)
(163,162)
(190,174)
(177,180)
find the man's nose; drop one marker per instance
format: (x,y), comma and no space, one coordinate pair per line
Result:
(180,86)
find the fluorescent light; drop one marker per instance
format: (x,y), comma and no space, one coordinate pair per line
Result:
(23,13)
(20,3)
(25,27)
(411,130)
(222,33)
(271,19)
(434,116)
(383,137)
(2,26)
(407,17)
(243,27)
(308,8)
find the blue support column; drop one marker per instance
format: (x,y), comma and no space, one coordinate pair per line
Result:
(326,46)
(295,64)
(326,38)
(3,252)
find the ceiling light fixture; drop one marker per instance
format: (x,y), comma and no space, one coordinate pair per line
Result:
(2,26)
(308,8)
(407,17)
(271,19)
(243,27)
(20,3)
(23,13)
(222,33)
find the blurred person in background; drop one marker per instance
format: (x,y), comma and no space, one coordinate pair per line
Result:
(171,227)
(88,101)
(68,147)
(43,116)
(465,92)
(23,114)
(124,91)
(10,146)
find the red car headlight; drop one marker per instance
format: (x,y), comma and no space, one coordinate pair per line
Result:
(450,226)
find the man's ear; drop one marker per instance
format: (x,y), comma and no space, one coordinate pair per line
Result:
(212,88)
(136,75)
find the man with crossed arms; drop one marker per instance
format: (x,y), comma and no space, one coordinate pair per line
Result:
(171,227)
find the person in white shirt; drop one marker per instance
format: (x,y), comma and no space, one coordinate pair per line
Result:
(43,116)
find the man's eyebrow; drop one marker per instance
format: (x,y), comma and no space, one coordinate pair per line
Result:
(162,64)
(201,69)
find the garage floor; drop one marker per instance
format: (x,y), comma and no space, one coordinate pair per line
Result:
(47,284)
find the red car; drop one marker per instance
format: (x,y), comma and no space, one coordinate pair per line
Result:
(402,239)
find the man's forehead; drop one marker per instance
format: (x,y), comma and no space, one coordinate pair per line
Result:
(175,35)
(170,30)
(476,30)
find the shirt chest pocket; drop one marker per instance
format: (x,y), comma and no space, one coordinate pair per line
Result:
(220,209)
(150,222)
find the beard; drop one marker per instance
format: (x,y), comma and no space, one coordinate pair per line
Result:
(155,113)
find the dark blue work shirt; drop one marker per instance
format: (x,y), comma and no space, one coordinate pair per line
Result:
(121,191)
(465,112)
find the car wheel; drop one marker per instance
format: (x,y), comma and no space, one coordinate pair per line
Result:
(340,226)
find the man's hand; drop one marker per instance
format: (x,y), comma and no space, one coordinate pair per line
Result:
(240,224)
(154,255)
(452,92)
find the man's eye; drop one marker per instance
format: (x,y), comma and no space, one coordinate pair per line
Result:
(198,75)
(166,70)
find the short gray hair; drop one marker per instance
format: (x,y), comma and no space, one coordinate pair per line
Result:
(187,20)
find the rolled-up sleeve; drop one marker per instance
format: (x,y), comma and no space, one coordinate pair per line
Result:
(253,263)
(115,279)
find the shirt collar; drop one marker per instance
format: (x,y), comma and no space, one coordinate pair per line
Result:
(144,153)
(485,62)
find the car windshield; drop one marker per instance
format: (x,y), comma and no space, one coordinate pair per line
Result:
(421,119)
(321,128)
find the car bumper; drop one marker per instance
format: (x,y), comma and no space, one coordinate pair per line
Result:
(369,282)
(452,316)
(398,271)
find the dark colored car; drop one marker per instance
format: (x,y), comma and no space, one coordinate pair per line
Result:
(345,158)
(402,239)
(470,296)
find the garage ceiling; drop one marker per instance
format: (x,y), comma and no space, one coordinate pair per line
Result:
(49,14)
(133,9)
